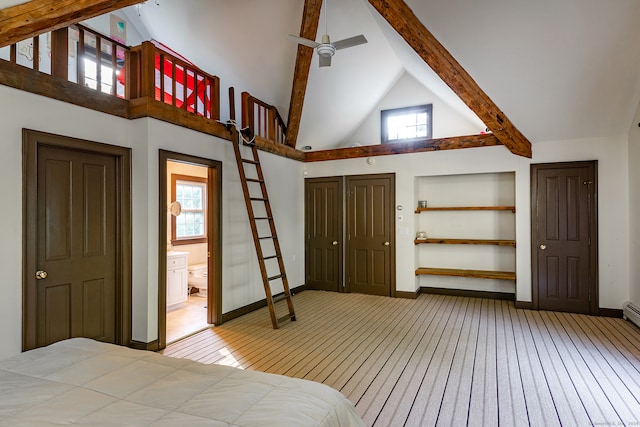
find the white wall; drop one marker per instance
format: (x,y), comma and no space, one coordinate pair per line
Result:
(407,92)
(241,278)
(613,204)
(634,208)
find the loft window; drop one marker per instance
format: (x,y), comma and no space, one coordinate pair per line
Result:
(190,226)
(407,124)
(91,75)
(108,62)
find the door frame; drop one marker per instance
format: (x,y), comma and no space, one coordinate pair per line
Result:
(214,227)
(31,141)
(392,226)
(592,165)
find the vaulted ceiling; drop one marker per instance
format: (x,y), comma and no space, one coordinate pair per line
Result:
(558,70)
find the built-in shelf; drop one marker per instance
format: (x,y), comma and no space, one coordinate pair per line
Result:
(480,274)
(467,208)
(496,242)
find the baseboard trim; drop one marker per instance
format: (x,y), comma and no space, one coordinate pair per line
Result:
(468,293)
(610,312)
(407,295)
(239,312)
(139,345)
(527,305)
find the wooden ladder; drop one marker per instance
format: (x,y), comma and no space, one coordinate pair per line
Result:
(258,240)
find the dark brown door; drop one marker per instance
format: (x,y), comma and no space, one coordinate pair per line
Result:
(371,234)
(564,233)
(76,231)
(323,227)
(77,267)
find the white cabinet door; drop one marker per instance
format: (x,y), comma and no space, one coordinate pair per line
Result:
(177,279)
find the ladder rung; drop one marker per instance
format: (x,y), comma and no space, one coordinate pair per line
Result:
(253,162)
(278,298)
(287,317)
(270,257)
(267,237)
(262,218)
(255,180)
(261,199)
(279,276)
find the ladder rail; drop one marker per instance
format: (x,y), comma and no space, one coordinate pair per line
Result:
(272,226)
(257,239)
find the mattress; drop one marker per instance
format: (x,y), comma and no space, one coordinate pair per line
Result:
(89,383)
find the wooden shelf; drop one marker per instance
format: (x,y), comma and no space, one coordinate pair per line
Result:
(468,208)
(479,274)
(496,242)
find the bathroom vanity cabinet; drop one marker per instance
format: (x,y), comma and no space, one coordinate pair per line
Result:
(177,278)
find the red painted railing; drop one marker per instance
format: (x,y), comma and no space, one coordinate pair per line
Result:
(164,76)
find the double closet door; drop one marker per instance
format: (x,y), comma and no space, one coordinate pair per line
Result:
(350,234)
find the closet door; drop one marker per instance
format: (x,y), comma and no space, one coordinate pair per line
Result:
(370,261)
(323,231)
(565,237)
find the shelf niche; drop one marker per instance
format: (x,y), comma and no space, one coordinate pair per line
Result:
(475,215)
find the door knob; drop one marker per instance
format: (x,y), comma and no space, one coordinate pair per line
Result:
(387,243)
(543,247)
(41,274)
(335,243)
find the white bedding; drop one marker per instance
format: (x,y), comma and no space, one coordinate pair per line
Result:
(85,382)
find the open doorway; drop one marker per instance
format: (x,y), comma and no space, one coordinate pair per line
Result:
(190,246)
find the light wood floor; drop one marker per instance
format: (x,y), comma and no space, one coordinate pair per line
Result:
(442,360)
(189,317)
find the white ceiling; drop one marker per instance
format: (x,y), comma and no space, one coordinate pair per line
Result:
(558,69)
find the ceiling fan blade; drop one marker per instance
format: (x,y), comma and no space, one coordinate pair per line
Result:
(324,61)
(350,42)
(304,41)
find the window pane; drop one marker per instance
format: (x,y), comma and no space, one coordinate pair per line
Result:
(407,123)
(191,223)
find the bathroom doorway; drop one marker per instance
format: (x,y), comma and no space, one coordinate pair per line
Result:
(190,252)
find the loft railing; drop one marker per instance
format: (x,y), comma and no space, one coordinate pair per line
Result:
(262,119)
(161,75)
(83,56)
(73,53)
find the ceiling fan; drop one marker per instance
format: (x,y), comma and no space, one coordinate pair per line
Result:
(325,48)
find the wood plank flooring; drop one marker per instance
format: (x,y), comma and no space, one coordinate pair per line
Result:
(441,360)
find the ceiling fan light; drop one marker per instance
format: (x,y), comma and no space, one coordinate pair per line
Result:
(326,50)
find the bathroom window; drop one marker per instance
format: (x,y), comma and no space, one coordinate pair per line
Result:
(189,226)
(407,124)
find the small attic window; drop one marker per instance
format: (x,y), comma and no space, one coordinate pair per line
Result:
(407,124)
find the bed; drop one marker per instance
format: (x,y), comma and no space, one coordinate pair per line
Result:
(89,383)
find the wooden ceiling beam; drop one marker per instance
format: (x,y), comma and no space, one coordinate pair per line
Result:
(453,143)
(308,30)
(36,17)
(405,22)
(279,149)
